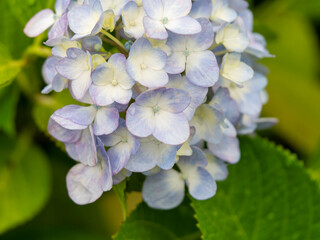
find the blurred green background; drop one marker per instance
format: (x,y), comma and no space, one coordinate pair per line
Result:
(34,203)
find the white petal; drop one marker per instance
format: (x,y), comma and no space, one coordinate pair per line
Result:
(39,23)
(235,70)
(207,121)
(84,150)
(176,8)
(227,150)
(80,86)
(84,183)
(216,167)
(74,117)
(154,8)
(184,25)
(140,120)
(201,184)
(171,128)
(154,28)
(106,121)
(176,63)
(202,69)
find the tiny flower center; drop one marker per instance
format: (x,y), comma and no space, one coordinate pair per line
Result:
(156,109)
(186,52)
(143,66)
(165,20)
(124,140)
(55,17)
(114,82)
(184,176)
(128,45)
(132,23)
(97,47)
(96,107)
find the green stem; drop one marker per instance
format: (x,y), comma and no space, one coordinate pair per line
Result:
(214,46)
(38,51)
(219,53)
(115,40)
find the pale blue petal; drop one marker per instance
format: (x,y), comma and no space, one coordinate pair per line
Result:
(176,8)
(61,6)
(227,150)
(197,94)
(106,121)
(47,89)
(257,83)
(119,156)
(49,69)
(188,164)
(184,25)
(74,117)
(84,184)
(201,9)
(123,174)
(167,156)
(150,98)
(84,150)
(164,190)
(176,63)
(154,29)
(83,20)
(146,157)
(105,165)
(62,134)
(59,83)
(201,184)
(171,128)
(229,106)
(59,29)
(80,86)
(216,167)
(77,63)
(207,121)
(178,43)
(174,100)
(153,8)
(266,123)
(250,103)
(102,74)
(202,69)
(203,40)
(140,120)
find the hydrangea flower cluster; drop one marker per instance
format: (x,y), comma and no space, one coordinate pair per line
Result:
(164,88)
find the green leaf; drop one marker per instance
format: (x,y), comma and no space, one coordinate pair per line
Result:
(268,195)
(293,81)
(9,68)
(24,181)
(119,190)
(150,224)
(8,104)
(314,165)
(311,8)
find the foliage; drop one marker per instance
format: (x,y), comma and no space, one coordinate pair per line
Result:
(268,195)
(24,181)
(294,73)
(149,224)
